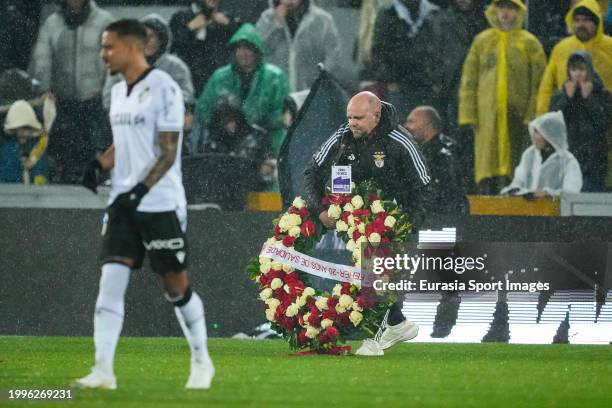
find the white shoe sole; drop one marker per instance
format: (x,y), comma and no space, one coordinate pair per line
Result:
(409,335)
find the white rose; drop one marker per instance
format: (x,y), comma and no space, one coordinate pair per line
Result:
(272,303)
(341,226)
(321,304)
(265,294)
(286,288)
(298,202)
(283,223)
(270,314)
(350,245)
(340,309)
(353,186)
(390,221)
(357,202)
(292,310)
(334,211)
(271,241)
(377,207)
(348,207)
(355,317)
(356,307)
(287,268)
(374,238)
(305,318)
(277,266)
(350,220)
(258,278)
(294,232)
(362,239)
(325,323)
(264,260)
(361,228)
(309,291)
(301,301)
(337,290)
(350,231)
(345,301)
(264,268)
(312,332)
(294,220)
(276,283)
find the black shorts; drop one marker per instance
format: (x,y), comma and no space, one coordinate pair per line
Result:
(131,234)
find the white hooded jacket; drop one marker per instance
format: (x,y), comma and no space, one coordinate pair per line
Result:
(559,173)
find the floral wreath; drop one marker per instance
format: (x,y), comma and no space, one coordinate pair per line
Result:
(317,321)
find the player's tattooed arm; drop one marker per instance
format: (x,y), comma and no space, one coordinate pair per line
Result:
(168,143)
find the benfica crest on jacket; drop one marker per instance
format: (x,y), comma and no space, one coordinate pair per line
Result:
(379,159)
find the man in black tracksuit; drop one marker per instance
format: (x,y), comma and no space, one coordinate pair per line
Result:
(376,148)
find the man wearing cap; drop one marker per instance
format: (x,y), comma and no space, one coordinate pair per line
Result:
(584,20)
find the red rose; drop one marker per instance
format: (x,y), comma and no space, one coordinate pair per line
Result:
(287,323)
(263,280)
(308,228)
(302,339)
(344,216)
(311,302)
(346,287)
(288,241)
(332,332)
(304,212)
(373,197)
(323,338)
(330,314)
(364,301)
(276,274)
(332,302)
(279,314)
(291,277)
(314,320)
(293,210)
(347,199)
(296,288)
(335,199)
(279,294)
(356,235)
(343,319)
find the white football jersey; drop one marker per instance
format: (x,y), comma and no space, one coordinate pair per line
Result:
(155,104)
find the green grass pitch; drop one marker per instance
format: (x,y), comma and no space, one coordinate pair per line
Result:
(151,372)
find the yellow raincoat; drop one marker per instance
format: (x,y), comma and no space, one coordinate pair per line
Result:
(600,48)
(498,92)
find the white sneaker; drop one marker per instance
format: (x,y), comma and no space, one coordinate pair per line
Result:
(369,348)
(96,379)
(201,375)
(392,335)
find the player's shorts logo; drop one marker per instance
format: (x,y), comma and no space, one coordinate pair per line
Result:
(172,244)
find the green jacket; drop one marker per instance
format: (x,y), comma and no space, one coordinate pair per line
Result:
(263,106)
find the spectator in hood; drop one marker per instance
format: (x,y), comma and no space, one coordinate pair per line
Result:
(67,64)
(586,106)
(159,42)
(23,148)
(201,34)
(398,61)
(547,167)
(259,88)
(297,35)
(584,20)
(498,92)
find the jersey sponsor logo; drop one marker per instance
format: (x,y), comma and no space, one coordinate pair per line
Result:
(379,159)
(171,244)
(126,119)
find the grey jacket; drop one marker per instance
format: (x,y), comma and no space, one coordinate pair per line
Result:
(316,40)
(169,63)
(66,61)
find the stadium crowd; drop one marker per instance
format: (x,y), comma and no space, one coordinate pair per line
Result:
(470,80)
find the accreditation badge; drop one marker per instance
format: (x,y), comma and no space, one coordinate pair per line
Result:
(341,179)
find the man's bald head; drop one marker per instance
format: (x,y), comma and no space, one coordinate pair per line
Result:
(363,113)
(424,123)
